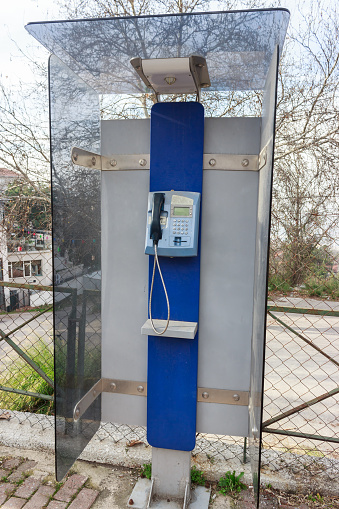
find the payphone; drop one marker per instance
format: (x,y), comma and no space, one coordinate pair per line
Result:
(172,229)
(177,160)
(173,223)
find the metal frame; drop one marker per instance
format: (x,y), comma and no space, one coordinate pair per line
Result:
(119,162)
(137,388)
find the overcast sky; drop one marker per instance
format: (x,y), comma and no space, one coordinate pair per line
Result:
(15,14)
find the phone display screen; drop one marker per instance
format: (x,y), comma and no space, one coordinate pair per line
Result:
(181,211)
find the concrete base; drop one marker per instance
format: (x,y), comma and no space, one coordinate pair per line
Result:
(200,497)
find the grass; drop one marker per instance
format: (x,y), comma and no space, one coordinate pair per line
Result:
(231,483)
(28,310)
(19,375)
(146,470)
(197,476)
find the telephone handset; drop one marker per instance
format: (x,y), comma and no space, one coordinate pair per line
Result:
(172,230)
(157,207)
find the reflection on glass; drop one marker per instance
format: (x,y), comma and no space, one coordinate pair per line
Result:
(238,46)
(77,273)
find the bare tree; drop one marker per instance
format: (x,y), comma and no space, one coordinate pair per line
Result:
(305,206)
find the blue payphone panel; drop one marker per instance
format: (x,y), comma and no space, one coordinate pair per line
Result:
(179,223)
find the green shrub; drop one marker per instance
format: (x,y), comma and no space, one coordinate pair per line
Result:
(277,283)
(146,470)
(197,476)
(231,483)
(322,287)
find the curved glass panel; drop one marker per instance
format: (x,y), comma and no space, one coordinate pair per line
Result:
(74,121)
(238,46)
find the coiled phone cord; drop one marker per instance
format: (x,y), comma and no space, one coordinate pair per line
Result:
(156,262)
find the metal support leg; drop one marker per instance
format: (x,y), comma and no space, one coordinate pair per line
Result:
(171,471)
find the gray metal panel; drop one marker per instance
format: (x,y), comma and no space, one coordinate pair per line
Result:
(211,417)
(232,135)
(125,409)
(227,272)
(228,229)
(124,264)
(124,274)
(261,267)
(222,419)
(125,137)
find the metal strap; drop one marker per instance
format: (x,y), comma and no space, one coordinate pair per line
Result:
(125,162)
(134,388)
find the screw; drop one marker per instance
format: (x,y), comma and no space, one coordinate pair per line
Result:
(93,160)
(140,388)
(75,156)
(245,162)
(131,501)
(94,393)
(113,162)
(212,162)
(205,395)
(236,397)
(142,162)
(113,386)
(77,412)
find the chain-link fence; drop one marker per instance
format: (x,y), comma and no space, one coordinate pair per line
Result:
(301,426)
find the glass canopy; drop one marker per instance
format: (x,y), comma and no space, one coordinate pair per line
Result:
(238,46)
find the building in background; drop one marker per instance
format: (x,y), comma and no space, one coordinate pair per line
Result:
(25,257)
(6,178)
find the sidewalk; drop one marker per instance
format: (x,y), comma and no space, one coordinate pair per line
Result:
(28,482)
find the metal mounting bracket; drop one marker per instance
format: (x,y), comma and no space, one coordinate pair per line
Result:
(135,388)
(263,155)
(124,162)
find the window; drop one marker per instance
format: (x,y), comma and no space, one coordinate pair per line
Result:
(36,268)
(17,269)
(27,268)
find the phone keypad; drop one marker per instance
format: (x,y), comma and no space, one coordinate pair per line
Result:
(180,226)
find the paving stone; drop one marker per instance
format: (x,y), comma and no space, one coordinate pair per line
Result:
(55,504)
(70,488)
(20,471)
(28,488)
(12,463)
(3,473)
(14,503)
(85,499)
(40,498)
(6,489)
